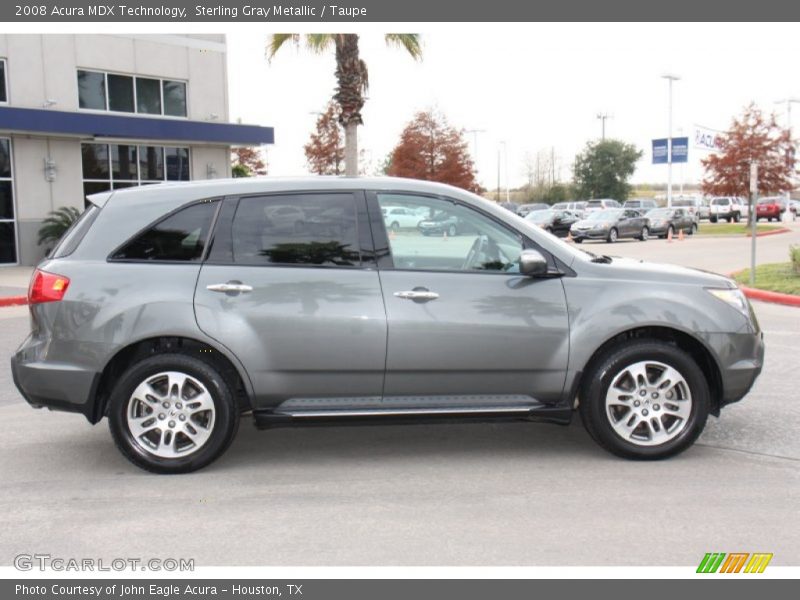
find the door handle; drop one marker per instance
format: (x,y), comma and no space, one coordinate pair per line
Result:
(229,287)
(417,295)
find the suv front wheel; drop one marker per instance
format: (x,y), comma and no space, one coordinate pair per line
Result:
(172,413)
(645,400)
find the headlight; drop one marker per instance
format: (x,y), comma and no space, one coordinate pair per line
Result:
(733,297)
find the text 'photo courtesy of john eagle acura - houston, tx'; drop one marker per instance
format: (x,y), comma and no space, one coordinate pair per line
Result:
(175,310)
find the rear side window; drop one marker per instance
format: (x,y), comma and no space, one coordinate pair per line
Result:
(74,235)
(296,229)
(179,237)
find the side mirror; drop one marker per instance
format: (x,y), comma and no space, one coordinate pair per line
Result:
(532,263)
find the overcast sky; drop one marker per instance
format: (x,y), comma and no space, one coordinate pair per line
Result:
(536,86)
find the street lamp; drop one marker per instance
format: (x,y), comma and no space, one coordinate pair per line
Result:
(505,160)
(670,78)
(603,118)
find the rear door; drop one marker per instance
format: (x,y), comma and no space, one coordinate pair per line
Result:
(300,306)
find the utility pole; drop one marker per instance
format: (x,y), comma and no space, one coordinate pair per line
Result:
(789,101)
(498,174)
(505,156)
(670,78)
(603,118)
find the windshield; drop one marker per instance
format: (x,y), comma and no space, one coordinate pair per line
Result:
(560,205)
(663,213)
(604,215)
(682,203)
(719,201)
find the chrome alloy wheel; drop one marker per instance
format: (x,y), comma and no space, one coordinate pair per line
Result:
(170,415)
(648,403)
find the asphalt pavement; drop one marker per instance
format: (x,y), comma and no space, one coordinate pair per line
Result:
(477,494)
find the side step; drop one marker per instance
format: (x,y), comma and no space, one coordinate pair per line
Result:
(393,415)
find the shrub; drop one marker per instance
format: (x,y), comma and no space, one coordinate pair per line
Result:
(794,256)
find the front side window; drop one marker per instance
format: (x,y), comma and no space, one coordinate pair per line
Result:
(179,237)
(450,237)
(299,230)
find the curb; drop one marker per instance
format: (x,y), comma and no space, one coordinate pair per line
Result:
(13,301)
(773,297)
(766,233)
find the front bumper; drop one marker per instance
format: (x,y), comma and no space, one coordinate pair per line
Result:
(741,358)
(589,234)
(57,386)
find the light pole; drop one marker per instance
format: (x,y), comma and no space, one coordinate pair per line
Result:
(505,160)
(789,101)
(603,118)
(669,78)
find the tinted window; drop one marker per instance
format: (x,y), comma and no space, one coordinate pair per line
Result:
(148,96)
(92,90)
(151,162)
(317,229)
(177,160)
(120,93)
(95,161)
(474,241)
(179,237)
(3,91)
(123,161)
(175,98)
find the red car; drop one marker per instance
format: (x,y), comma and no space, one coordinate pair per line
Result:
(769,208)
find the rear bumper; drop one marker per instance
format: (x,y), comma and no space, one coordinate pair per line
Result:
(57,386)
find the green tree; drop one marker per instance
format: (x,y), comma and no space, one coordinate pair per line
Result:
(57,223)
(602,170)
(351,77)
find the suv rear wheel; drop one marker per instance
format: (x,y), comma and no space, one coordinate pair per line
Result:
(645,400)
(172,413)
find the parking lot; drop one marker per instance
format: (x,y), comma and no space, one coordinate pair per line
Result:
(477,494)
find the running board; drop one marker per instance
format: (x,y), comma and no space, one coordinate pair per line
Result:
(282,417)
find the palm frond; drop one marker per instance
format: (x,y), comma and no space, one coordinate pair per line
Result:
(277,40)
(409,41)
(57,223)
(319,42)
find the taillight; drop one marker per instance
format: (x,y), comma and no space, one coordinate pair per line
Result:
(47,287)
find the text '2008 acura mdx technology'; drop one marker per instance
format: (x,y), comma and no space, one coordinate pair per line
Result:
(173,310)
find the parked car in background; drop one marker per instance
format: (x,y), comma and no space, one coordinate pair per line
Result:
(770,207)
(510,206)
(602,204)
(664,222)
(729,208)
(696,207)
(524,209)
(169,311)
(397,217)
(611,225)
(577,208)
(794,208)
(643,204)
(443,223)
(557,222)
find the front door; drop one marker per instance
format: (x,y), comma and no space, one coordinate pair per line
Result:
(289,288)
(462,320)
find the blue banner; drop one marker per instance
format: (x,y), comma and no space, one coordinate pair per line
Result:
(660,151)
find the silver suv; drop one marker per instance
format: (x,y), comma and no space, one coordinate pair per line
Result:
(173,310)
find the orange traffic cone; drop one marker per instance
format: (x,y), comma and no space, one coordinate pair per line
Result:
(569,236)
(392,234)
(680,235)
(669,235)
(444,235)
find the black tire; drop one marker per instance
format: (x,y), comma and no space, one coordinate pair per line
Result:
(578,240)
(226,417)
(613,235)
(670,232)
(394,226)
(693,229)
(548,229)
(452,231)
(599,377)
(712,219)
(645,235)
(736,217)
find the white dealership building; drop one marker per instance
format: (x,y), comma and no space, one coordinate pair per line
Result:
(81,114)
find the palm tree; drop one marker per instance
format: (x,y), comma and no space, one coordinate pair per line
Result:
(351,76)
(57,223)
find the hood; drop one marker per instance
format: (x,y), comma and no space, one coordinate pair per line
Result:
(637,270)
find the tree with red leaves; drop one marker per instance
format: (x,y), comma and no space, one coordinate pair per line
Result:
(247,162)
(751,137)
(325,150)
(432,150)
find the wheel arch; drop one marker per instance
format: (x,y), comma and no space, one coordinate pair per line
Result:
(227,365)
(690,344)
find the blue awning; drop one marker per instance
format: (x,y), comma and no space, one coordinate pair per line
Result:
(56,122)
